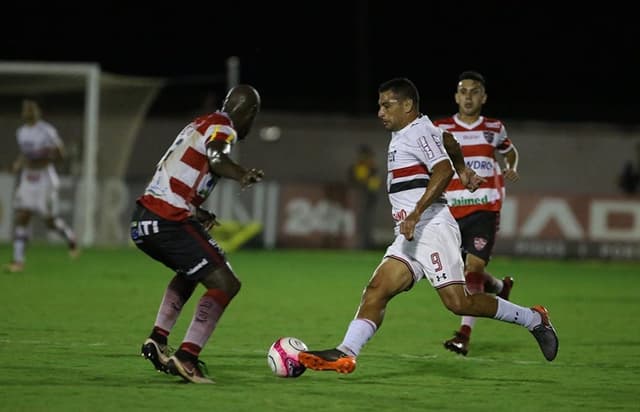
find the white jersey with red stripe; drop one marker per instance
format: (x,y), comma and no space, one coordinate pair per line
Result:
(413,152)
(183,178)
(478,142)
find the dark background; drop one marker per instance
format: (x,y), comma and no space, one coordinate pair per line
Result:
(543,61)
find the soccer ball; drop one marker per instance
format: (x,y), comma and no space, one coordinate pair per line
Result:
(283,357)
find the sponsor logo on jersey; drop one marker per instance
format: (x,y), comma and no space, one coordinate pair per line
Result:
(480,164)
(465,201)
(479,243)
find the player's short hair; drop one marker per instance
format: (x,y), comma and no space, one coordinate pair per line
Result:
(472,75)
(403,88)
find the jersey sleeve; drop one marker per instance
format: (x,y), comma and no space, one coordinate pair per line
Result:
(503,143)
(431,149)
(220,133)
(52,139)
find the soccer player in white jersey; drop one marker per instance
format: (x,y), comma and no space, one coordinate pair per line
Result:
(427,243)
(37,187)
(169,225)
(478,212)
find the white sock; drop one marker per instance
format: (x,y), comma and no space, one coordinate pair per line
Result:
(510,312)
(359,333)
(64,230)
(20,238)
(469,321)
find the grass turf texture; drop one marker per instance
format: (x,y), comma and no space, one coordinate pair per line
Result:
(70,335)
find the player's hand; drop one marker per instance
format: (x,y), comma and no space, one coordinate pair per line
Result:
(408,225)
(250,177)
(470,179)
(206,218)
(511,175)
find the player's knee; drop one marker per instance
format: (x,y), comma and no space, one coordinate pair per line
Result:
(375,294)
(234,288)
(456,304)
(22,217)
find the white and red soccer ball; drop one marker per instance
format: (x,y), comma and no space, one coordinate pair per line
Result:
(283,357)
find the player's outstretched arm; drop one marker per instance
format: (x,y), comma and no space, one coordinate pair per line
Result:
(222,165)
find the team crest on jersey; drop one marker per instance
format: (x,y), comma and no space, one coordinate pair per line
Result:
(488,136)
(479,243)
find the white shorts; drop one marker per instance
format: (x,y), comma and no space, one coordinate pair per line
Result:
(434,252)
(37,191)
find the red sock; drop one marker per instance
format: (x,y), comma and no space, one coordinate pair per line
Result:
(465,330)
(475,282)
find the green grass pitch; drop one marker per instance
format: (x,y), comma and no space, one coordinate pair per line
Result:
(70,335)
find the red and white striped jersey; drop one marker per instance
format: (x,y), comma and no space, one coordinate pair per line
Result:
(183,178)
(413,152)
(478,142)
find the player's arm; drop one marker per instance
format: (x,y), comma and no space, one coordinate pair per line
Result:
(511,160)
(222,165)
(441,175)
(207,218)
(468,177)
(452,147)
(18,164)
(57,149)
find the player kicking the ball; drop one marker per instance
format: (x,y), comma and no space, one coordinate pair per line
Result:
(427,243)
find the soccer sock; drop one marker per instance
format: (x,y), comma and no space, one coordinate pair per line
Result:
(169,311)
(474,282)
(205,319)
(492,284)
(467,323)
(358,333)
(65,231)
(20,239)
(510,312)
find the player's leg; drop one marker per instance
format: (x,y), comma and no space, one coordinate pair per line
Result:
(196,256)
(27,200)
(440,259)
(222,286)
(535,319)
(156,347)
(474,280)
(478,232)
(64,230)
(21,235)
(165,242)
(54,221)
(393,276)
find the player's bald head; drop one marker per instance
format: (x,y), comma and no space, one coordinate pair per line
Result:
(242,103)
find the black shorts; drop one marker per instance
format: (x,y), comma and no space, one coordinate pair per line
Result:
(479,231)
(184,246)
